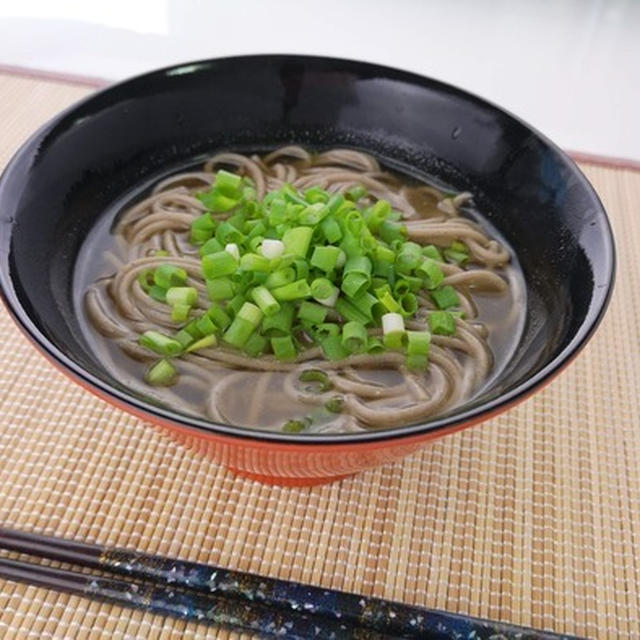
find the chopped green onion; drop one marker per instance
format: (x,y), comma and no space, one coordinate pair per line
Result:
(238,332)
(219,317)
(354,222)
(210,246)
(334,405)
(281,277)
(325,258)
(180,312)
(220,289)
(312,312)
(226,232)
(324,291)
(408,304)
(232,248)
(324,330)
(302,269)
(166,275)
(272,248)
(357,276)
(335,202)
(234,305)
(251,313)
(263,298)
(256,243)
(228,183)
(192,329)
(184,337)
(360,264)
(457,253)
(418,343)
(377,215)
(390,231)
(316,376)
(206,326)
(350,312)
(331,230)
(202,229)
(313,214)
(283,348)
(333,349)
(384,254)
(457,245)
(145,279)
(416,363)
(430,273)
(218,202)
(354,284)
(182,295)
(293,291)
(256,345)
(237,220)
(296,240)
(158,342)
(216,265)
(255,262)
(256,229)
(409,257)
(279,324)
(295,426)
(356,192)
(442,323)
(393,330)
(157,293)
(375,346)
(445,297)
(161,374)
(367,304)
(354,337)
(387,300)
(431,251)
(352,246)
(316,194)
(204,343)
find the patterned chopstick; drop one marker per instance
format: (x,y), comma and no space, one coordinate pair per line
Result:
(187,605)
(325,605)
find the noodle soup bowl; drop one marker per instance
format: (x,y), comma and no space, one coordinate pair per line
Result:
(74,168)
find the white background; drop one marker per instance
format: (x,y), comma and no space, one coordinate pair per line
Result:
(571,68)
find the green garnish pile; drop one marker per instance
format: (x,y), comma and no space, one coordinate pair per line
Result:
(297,270)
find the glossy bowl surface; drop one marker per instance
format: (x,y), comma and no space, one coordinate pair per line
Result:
(66,175)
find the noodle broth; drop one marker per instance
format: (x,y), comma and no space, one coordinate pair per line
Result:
(375,391)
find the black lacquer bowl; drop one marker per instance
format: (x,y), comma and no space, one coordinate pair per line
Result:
(73,168)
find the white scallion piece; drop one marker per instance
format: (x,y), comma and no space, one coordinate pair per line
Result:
(330,301)
(232,248)
(392,323)
(272,248)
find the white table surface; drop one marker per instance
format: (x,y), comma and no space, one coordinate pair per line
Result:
(571,68)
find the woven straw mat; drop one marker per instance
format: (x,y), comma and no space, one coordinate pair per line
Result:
(532,518)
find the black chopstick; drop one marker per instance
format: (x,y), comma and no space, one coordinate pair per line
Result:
(326,606)
(187,605)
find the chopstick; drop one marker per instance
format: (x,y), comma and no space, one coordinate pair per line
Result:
(225,612)
(170,580)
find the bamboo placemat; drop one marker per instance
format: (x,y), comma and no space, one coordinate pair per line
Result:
(532,518)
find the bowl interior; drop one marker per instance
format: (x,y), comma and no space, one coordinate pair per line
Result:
(69,172)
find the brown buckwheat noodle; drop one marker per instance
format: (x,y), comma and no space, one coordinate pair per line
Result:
(219,380)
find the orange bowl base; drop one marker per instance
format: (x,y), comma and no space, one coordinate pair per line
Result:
(284,481)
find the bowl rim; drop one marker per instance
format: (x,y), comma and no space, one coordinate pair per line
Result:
(599,303)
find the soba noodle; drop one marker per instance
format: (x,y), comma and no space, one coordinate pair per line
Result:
(370,390)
